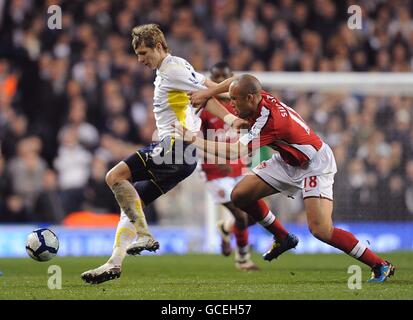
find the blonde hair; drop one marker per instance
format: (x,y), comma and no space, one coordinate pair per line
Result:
(148,35)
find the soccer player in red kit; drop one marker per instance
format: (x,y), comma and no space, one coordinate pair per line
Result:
(303,163)
(222,178)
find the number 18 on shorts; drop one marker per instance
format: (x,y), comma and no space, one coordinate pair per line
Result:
(319,186)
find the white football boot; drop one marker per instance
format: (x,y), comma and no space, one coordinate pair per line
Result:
(243,261)
(143,243)
(104,273)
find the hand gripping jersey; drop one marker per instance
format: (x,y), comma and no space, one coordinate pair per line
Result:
(174,79)
(276,125)
(211,122)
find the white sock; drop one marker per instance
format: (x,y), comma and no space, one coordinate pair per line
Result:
(228,225)
(268,220)
(125,234)
(244,250)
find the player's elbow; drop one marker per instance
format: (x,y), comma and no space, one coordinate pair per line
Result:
(110,178)
(320,231)
(210,84)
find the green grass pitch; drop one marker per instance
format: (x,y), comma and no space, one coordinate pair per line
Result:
(211,277)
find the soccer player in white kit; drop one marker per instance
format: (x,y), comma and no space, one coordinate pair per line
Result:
(154,170)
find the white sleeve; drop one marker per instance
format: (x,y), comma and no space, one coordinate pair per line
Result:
(246,138)
(182,78)
(256,129)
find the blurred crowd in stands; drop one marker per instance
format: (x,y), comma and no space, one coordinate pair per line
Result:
(75,101)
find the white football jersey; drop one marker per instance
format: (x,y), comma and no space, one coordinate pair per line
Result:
(174,79)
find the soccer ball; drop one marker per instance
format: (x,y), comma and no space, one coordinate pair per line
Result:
(42,245)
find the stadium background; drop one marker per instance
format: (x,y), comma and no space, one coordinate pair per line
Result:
(75,101)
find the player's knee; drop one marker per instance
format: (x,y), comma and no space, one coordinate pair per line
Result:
(319,231)
(238,198)
(113,176)
(110,178)
(315,231)
(117,173)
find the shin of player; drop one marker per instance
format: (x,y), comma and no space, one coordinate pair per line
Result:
(319,216)
(132,222)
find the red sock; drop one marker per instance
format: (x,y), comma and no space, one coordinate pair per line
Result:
(262,214)
(348,243)
(241,235)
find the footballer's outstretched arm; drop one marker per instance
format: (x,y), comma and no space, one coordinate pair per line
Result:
(212,105)
(213,89)
(200,97)
(217,109)
(209,83)
(229,151)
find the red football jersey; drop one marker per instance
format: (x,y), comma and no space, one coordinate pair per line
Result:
(209,121)
(278,126)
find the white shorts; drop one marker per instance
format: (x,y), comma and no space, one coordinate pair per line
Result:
(316,180)
(220,189)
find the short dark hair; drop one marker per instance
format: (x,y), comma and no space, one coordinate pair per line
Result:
(220,65)
(219,69)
